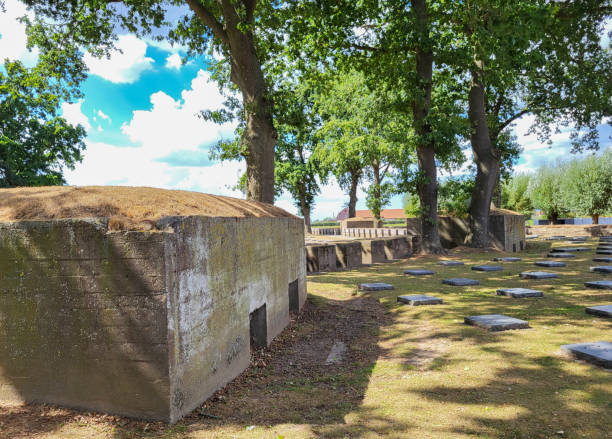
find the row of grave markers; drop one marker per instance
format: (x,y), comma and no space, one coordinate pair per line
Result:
(599,353)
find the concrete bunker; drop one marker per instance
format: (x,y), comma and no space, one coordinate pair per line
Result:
(134,313)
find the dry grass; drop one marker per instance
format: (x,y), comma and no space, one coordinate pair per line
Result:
(412,372)
(128,208)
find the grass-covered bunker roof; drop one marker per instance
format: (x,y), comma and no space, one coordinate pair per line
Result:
(128,208)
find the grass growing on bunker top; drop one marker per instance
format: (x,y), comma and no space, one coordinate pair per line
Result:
(410,372)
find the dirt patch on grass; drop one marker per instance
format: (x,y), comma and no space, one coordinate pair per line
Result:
(128,208)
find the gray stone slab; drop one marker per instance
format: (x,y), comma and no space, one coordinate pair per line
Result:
(602,259)
(599,352)
(420,300)
(604,247)
(508,259)
(496,322)
(375,286)
(538,275)
(337,353)
(579,238)
(604,252)
(450,263)
(607,269)
(600,310)
(605,238)
(570,249)
(599,284)
(418,272)
(519,292)
(531,236)
(561,255)
(549,264)
(460,281)
(556,238)
(487,268)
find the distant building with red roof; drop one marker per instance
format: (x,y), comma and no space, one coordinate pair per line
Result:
(384,214)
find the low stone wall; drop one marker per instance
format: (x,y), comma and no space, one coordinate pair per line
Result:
(142,324)
(348,254)
(570,230)
(507,232)
(326,231)
(342,255)
(375,233)
(352,223)
(320,257)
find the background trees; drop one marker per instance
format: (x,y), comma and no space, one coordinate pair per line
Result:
(586,185)
(515,194)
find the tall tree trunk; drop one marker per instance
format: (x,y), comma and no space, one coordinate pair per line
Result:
(497,193)
(305,210)
(595,218)
(487,160)
(377,192)
(353,194)
(427,186)
(259,136)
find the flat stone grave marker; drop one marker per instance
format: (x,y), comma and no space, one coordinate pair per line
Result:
(450,263)
(460,281)
(599,352)
(604,252)
(507,259)
(602,259)
(496,322)
(600,310)
(549,264)
(579,238)
(531,236)
(605,238)
(538,275)
(556,238)
(560,255)
(418,300)
(519,292)
(570,249)
(604,247)
(607,269)
(375,286)
(599,284)
(487,268)
(418,272)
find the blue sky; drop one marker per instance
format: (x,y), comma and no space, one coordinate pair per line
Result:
(140,112)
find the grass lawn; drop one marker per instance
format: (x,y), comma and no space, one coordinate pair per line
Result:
(409,372)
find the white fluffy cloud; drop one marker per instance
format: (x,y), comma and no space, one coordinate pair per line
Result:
(173,61)
(174,124)
(125,66)
(169,126)
(12,35)
(104,116)
(73,114)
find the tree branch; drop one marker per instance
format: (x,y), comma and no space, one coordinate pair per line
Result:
(250,9)
(209,20)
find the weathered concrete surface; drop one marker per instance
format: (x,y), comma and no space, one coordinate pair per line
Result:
(601,310)
(599,352)
(538,275)
(375,286)
(599,284)
(519,292)
(420,300)
(397,248)
(320,257)
(460,281)
(142,324)
(549,264)
(418,272)
(451,263)
(487,268)
(348,254)
(373,251)
(496,322)
(607,269)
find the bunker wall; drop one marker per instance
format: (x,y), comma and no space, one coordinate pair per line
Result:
(83,317)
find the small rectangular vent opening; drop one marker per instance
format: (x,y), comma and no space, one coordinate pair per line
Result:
(294,297)
(259,327)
